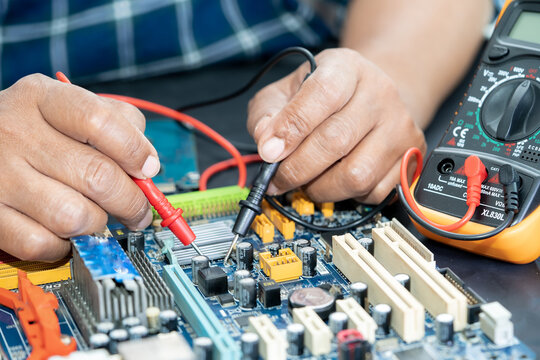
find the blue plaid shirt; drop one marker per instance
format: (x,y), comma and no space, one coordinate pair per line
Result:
(110,39)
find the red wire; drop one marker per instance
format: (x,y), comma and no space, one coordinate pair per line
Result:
(223,165)
(408,196)
(181,117)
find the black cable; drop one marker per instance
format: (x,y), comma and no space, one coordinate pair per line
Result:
(351,225)
(267,66)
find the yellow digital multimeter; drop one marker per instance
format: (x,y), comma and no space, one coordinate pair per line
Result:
(498,121)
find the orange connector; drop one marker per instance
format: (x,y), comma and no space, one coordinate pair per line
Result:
(36,312)
(327,209)
(264,228)
(302,204)
(284,267)
(285,226)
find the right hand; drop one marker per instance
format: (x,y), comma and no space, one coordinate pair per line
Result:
(66,155)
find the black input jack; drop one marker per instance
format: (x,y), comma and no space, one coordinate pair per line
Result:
(446,166)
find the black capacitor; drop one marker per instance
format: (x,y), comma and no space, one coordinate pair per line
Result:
(99,341)
(273,249)
(105,327)
(444,328)
(308,255)
(203,348)
(299,244)
(248,293)
(138,332)
(250,346)
(239,275)
(169,321)
(295,338)
(338,321)
(404,280)
(244,256)
(116,336)
(382,314)
(288,245)
(130,322)
(358,292)
(198,262)
(368,244)
(135,241)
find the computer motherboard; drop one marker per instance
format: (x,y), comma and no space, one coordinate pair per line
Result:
(372,293)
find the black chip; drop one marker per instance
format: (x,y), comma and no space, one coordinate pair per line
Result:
(213,281)
(269,293)
(242,320)
(226,299)
(418,353)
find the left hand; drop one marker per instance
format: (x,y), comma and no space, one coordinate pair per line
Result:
(340,134)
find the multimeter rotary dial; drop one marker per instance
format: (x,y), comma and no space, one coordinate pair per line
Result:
(511,110)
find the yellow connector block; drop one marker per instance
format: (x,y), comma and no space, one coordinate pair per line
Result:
(302,204)
(39,273)
(284,267)
(327,209)
(285,226)
(264,228)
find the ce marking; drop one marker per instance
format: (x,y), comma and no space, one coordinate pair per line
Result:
(460,132)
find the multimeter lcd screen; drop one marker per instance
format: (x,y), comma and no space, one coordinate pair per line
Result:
(527,27)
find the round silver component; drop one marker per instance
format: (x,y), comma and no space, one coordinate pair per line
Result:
(308,256)
(273,249)
(382,314)
(359,292)
(444,328)
(116,336)
(198,262)
(203,348)
(248,293)
(130,322)
(299,244)
(337,321)
(244,256)
(138,332)
(404,280)
(152,318)
(316,298)
(239,275)
(99,340)
(295,338)
(105,327)
(368,244)
(250,346)
(168,320)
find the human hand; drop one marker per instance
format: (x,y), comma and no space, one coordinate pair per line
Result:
(65,159)
(340,134)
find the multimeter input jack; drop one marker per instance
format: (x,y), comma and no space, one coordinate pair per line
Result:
(446,166)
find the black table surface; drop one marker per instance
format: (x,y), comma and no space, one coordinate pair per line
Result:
(517,287)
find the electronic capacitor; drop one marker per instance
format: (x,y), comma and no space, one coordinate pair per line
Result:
(444,328)
(382,314)
(130,322)
(203,348)
(98,341)
(250,346)
(288,245)
(244,256)
(239,275)
(299,244)
(116,336)
(105,327)
(273,249)
(138,332)
(295,338)
(198,262)
(308,256)
(358,292)
(135,241)
(248,293)
(368,244)
(168,320)
(338,321)
(152,319)
(404,280)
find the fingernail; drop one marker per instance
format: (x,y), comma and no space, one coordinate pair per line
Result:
(151,166)
(272,189)
(146,221)
(272,149)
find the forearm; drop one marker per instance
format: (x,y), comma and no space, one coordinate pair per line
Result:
(425,46)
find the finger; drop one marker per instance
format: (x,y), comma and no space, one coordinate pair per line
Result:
(129,112)
(359,172)
(329,142)
(24,238)
(322,94)
(88,118)
(62,210)
(383,187)
(94,175)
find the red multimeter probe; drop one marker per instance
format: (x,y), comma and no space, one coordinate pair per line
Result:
(498,122)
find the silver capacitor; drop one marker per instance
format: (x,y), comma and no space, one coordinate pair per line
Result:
(203,348)
(273,249)
(244,256)
(250,346)
(404,280)
(337,321)
(248,293)
(130,322)
(382,314)
(308,256)
(198,262)
(116,336)
(105,327)
(152,319)
(99,341)
(359,292)
(138,332)
(444,329)
(239,275)
(169,320)
(135,241)
(299,244)
(368,244)
(295,338)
